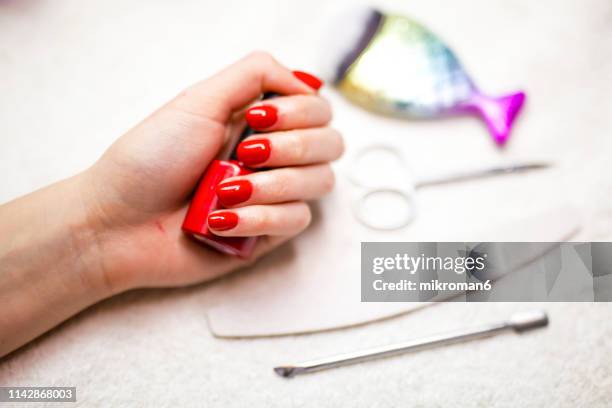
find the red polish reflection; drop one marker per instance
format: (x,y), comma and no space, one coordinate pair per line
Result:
(234,192)
(222,221)
(261,117)
(254,152)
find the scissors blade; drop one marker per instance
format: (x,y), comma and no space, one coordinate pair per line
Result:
(482,173)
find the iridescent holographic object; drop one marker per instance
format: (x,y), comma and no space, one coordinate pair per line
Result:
(393,65)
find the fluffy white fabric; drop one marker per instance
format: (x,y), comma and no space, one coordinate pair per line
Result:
(154,349)
(74,76)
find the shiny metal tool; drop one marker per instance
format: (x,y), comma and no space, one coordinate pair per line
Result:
(481,173)
(402,183)
(518,322)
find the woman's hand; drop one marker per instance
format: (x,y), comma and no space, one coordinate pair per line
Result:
(117,225)
(139,189)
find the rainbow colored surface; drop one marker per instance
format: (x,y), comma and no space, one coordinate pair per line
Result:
(405,70)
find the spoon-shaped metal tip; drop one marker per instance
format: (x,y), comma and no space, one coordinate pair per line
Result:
(524,321)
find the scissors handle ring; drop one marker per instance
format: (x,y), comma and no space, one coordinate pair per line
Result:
(354,167)
(408,198)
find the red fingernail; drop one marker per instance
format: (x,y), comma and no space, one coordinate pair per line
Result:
(252,152)
(222,220)
(310,80)
(234,192)
(261,117)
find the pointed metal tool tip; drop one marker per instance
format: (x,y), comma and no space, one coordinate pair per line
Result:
(285,371)
(538,165)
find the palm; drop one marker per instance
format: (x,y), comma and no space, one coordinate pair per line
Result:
(165,158)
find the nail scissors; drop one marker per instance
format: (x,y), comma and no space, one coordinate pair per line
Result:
(403,184)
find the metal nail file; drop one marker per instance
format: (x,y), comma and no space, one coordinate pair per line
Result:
(519,322)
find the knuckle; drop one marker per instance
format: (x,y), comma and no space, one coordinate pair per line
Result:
(261,57)
(300,108)
(276,184)
(263,221)
(312,110)
(281,186)
(298,149)
(302,114)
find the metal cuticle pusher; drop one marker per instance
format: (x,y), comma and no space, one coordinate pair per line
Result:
(519,322)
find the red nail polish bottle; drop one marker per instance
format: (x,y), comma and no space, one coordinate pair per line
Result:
(205,201)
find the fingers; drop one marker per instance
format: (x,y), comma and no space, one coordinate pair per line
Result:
(238,85)
(289,112)
(291,148)
(277,186)
(197,263)
(254,220)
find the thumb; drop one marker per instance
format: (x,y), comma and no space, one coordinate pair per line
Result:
(165,155)
(241,83)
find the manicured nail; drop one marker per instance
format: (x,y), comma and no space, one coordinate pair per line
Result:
(234,192)
(261,117)
(310,80)
(222,220)
(252,152)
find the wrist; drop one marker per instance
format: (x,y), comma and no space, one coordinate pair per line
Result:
(110,236)
(50,262)
(91,232)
